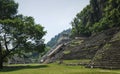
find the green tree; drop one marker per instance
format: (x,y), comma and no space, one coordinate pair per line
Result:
(99,15)
(8,8)
(18,32)
(82,22)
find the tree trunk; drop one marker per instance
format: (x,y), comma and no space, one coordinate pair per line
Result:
(1,59)
(1,64)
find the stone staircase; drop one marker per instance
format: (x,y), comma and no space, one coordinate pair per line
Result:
(109,55)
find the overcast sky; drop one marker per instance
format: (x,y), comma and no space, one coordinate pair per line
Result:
(54,15)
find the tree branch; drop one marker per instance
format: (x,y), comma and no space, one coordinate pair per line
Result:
(6,43)
(13,49)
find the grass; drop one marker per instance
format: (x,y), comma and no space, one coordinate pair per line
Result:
(67,52)
(75,43)
(53,69)
(77,61)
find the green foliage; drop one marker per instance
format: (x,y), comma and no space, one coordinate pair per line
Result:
(24,32)
(99,15)
(55,39)
(80,23)
(101,25)
(47,48)
(18,32)
(8,8)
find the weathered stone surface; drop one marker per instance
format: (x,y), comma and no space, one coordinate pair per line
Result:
(109,55)
(102,48)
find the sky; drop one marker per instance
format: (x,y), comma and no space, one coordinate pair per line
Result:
(54,15)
